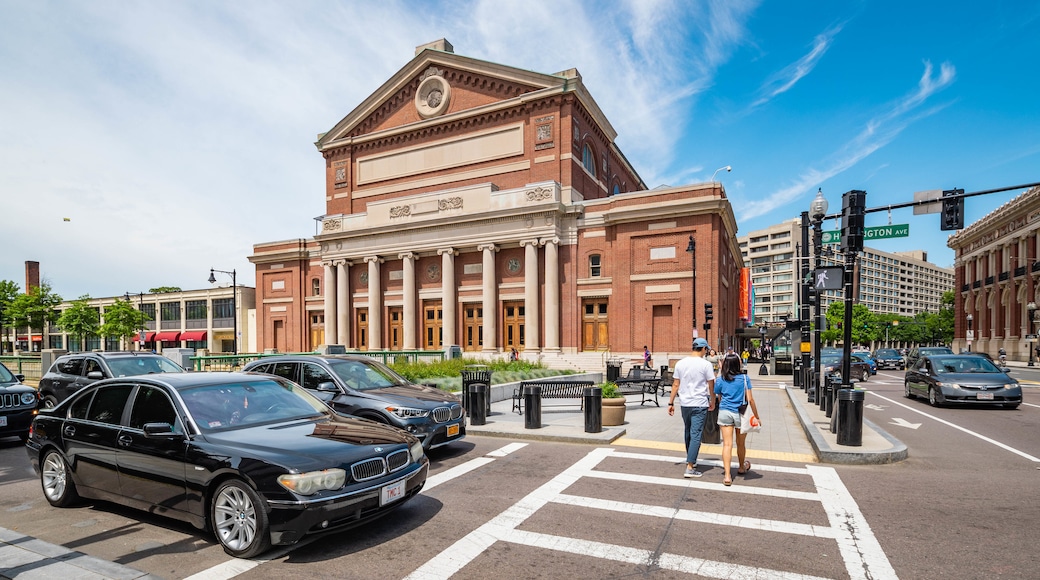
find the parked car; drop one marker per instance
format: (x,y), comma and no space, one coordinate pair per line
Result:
(72,372)
(958,379)
(889,358)
(911,359)
(862,356)
(832,365)
(361,386)
(255,458)
(18,404)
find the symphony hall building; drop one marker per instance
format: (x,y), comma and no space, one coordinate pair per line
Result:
(475,204)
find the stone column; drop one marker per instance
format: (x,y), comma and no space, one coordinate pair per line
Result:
(328,292)
(552,294)
(449,296)
(375,304)
(342,302)
(531,291)
(410,296)
(490,298)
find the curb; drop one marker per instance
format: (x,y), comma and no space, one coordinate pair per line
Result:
(852,455)
(35,558)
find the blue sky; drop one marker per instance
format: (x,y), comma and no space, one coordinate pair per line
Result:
(174,135)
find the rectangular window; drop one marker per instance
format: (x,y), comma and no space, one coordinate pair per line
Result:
(594,266)
(170,311)
(149,310)
(195,309)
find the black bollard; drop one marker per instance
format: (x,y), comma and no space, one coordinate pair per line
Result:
(850,417)
(533,405)
(477,398)
(593,409)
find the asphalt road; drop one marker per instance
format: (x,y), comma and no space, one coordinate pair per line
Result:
(961,506)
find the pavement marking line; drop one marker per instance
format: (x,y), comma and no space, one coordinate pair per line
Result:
(472,545)
(717,463)
(1031,405)
(717,450)
(860,550)
(228,569)
(681,482)
(697,516)
(959,428)
(674,562)
(460,470)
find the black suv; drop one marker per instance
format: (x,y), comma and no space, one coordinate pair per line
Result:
(18,404)
(361,386)
(72,372)
(889,358)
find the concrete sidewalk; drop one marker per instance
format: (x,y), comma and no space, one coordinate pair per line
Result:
(27,558)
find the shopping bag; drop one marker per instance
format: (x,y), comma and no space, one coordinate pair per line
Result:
(749,423)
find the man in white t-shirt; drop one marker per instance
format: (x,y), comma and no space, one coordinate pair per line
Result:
(694,383)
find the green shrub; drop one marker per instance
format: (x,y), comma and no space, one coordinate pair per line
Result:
(610,390)
(447,374)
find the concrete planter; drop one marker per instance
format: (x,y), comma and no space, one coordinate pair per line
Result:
(614,411)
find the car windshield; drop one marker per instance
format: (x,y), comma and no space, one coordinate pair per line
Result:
(244,404)
(365,375)
(963,364)
(5,375)
(936,350)
(886,353)
(142,365)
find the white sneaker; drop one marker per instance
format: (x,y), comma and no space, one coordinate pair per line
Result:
(691,472)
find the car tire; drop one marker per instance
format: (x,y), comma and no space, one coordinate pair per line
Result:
(239,520)
(863,376)
(48,401)
(907,392)
(56,480)
(933,399)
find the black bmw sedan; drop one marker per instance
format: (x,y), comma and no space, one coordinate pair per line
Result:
(254,458)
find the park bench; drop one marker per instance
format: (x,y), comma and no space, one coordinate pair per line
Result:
(552,389)
(645,383)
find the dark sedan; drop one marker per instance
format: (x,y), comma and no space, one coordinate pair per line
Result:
(362,386)
(889,358)
(832,365)
(962,379)
(254,458)
(18,404)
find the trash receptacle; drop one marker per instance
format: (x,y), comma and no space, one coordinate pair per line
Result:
(850,417)
(478,402)
(471,375)
(613,369)
(454,351)
(593,409)
(710,433)
(533,406)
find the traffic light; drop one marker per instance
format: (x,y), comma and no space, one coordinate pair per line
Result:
(952,210)
(708,316)
(853,206)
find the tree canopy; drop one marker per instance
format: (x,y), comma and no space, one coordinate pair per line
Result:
(80,319)
(164,290)
(122,320)
(867,327)
(35,308)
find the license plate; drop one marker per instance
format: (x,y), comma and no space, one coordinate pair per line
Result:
(3,421)
(453,430)
(984,396)
(391,493)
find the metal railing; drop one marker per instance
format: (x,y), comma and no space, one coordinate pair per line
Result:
(230,362)
(30,366)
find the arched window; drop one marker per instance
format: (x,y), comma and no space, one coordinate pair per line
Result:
(588,160)
(595,269)
(616,190)
(316,287)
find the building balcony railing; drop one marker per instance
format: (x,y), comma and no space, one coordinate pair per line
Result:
(976,284)
(1035,267)
(170,325)
(1003,276)
(223,322)
(1020,271)
(989,280)
(197,323)
(965,287)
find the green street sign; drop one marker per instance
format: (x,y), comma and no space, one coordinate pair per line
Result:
(872,233)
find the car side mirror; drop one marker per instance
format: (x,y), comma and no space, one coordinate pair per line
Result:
(159,430)
(20,378)
(328,387)
(96,375)
(1005,370)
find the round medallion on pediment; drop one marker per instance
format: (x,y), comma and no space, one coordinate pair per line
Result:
(433,97)
(513,265)
(433,272)
(363,278)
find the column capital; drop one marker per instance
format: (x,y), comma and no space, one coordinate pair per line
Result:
(533,242)
(342,262)
(327,263)
(491,247)
(553,240)
(407,255)
(451,251)
(371,259)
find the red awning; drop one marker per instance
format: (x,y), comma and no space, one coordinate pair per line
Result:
(35,338)
(194,335)
(168,336)
(148,336)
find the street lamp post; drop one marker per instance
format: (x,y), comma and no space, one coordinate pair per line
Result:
(817,211)
(763,370)
(969,336)
(234,304)
(1031,307)
(692,249)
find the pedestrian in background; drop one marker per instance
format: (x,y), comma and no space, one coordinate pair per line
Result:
(713,358)
(734,390)
(694,385)
(647,359)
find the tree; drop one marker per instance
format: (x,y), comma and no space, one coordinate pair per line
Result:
(80,319)
(35,308)
(123,320)
(164,290)
(8,292)
(864,324)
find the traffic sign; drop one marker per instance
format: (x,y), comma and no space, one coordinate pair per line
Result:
(871,233)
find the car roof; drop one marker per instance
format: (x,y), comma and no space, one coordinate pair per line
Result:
(112,354)
(310,357)
(181,381)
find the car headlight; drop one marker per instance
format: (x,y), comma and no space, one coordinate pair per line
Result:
(28,398)
(408,412)
(416,451)
(313,481)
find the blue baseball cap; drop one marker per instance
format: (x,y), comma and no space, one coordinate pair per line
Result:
(700,343)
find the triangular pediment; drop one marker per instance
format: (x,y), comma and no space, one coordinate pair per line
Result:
(472,85)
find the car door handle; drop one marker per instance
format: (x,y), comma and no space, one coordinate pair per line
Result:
(125,440)
(69,431)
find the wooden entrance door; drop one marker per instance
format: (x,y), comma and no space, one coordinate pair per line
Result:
(317,330)
(396,327)
(594,324)
(433,326)
(513,325)
(361,329)
(473,328)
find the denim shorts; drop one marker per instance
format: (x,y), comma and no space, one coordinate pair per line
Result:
(729,418)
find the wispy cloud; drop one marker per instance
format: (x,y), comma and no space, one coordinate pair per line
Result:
(877,132)
(782,81)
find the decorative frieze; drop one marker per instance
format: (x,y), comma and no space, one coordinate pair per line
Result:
(540,194)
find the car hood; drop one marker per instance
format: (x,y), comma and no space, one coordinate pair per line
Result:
(408,394)
(15,388)
(975,378)
(309,444)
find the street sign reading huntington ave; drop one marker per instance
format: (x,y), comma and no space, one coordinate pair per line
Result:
(872,233)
